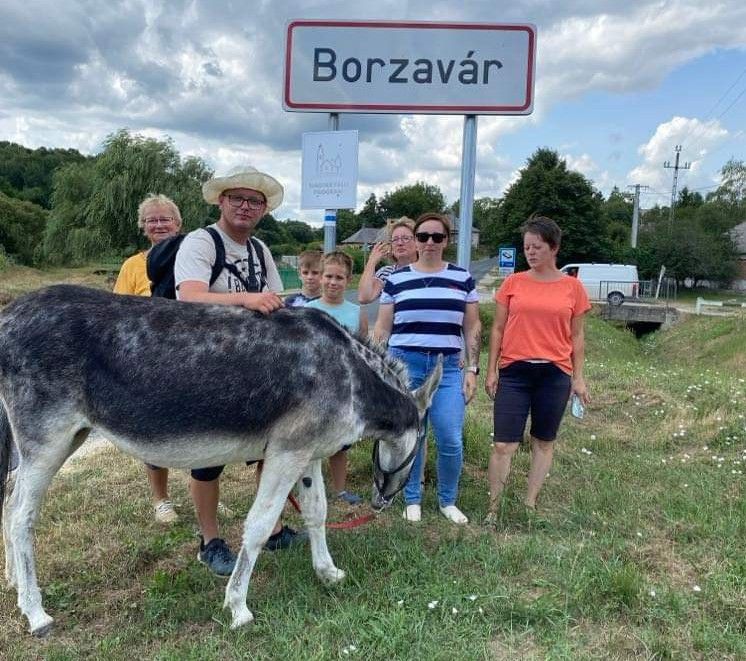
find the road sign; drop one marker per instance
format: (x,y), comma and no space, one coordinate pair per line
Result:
(506,260)
(329,170)
(409,67)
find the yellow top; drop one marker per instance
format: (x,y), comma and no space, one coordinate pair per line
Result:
(133,276)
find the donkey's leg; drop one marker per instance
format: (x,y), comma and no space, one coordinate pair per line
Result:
(41,461)
(312,498)
(280,472)
(10,571)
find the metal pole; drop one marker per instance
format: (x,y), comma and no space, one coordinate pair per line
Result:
(466,203)
(330,215)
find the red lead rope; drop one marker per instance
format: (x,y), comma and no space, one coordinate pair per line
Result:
(341,525)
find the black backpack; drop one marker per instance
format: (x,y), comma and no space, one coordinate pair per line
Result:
(161,258)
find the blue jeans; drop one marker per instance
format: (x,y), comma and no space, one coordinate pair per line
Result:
(446,414)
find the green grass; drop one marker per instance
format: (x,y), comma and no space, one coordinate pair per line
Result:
(643,503)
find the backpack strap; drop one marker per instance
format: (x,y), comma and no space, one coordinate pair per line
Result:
(253,284)
(262,263)
(219,264)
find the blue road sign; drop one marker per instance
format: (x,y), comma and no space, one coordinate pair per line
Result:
(506,257)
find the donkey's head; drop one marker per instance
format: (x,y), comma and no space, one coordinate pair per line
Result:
(393,458)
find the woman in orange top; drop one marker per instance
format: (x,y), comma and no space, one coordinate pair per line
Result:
(538,345)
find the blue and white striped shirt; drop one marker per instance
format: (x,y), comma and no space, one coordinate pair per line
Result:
(429,307)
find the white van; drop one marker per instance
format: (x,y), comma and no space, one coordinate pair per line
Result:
(606,282)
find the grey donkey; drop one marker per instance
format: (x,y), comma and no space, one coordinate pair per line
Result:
(187,385)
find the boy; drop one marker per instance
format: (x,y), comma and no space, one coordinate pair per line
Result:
(335,276)
(309,268)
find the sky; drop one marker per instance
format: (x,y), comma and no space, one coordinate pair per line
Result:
(618,86)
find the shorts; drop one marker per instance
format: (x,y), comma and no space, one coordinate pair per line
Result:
(541,389)
(213,473)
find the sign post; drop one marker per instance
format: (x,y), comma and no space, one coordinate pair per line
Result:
(416,67)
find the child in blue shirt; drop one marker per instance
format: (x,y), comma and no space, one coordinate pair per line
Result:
(336,271)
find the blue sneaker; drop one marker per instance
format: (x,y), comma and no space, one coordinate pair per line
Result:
(284,539)
(349,498)
(217,556)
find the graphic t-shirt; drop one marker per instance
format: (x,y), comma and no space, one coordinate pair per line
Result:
(197,254)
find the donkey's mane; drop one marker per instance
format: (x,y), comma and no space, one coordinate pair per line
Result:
(392,371)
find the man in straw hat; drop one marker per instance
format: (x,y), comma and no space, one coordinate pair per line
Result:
(249,280)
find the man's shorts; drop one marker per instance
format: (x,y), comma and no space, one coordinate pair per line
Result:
(541,389)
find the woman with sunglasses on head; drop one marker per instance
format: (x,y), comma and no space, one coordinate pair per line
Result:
(401,248)
(159,218)
(427,311)
(537,350)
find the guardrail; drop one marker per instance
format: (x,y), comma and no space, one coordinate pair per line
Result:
(702,305)
(616,292)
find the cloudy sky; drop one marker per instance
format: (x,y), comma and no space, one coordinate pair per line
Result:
(618,85)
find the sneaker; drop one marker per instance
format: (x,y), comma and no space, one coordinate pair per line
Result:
(225,511)
(454,514)
(285,538)
(217,556)
(165,512)
(349,498)
(412,513)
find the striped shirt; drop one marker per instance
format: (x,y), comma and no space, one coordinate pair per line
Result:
(429,307)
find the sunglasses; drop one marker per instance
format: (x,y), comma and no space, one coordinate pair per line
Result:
(437,237)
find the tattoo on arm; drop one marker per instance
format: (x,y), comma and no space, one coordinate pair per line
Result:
(473,346)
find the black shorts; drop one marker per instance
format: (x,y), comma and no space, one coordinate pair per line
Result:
(541,389)
(213,473)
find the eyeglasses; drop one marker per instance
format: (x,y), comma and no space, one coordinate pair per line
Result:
(401,239)
(253,202)
(437,237)
(162,220)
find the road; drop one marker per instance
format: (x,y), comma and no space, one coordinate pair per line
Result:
(478,269)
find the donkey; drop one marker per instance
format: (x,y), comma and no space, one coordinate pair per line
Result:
(188,385)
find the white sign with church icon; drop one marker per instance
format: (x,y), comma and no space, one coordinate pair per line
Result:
(329,170)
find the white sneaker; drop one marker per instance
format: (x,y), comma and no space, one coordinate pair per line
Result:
(165,512)
(412,513)
(454,514)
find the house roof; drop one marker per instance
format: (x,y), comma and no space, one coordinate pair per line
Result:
(367,235)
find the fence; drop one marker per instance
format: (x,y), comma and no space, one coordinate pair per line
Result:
(636,291)
(702,305)
(290,278)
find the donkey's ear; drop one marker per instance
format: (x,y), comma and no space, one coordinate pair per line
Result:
(423,396)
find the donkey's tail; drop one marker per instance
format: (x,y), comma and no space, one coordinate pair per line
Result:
(6,450)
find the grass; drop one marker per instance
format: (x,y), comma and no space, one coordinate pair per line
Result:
(639,552)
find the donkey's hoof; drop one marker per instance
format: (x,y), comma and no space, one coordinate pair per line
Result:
(242,617)
(43,627)
(331,575)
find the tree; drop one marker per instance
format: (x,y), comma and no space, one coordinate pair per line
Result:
(95,204)
(411,201)
(21,228)
(370,215)
(547,187)
(732,189)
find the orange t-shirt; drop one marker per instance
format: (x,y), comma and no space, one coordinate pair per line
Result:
(539,318)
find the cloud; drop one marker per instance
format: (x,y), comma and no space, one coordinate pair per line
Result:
(209,74)
(700,138)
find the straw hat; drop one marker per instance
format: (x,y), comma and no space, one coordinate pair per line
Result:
(244,176)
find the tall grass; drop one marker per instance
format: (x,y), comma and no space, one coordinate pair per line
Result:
(639,550)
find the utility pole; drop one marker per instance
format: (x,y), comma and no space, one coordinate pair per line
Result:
(636,213)
(676,167)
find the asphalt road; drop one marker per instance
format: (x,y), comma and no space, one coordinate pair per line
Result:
(478,269)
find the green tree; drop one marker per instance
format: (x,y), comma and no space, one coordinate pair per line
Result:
(411,201)
(21,228)
(95,204)
(546,186)
(370,215)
